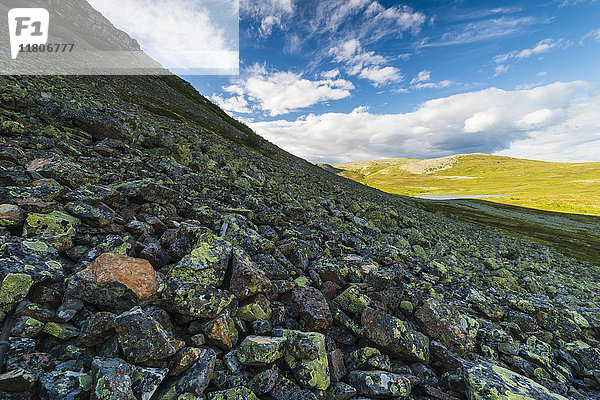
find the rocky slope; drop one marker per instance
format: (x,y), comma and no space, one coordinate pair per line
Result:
(154,248)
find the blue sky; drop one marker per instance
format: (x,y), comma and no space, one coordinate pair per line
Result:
(334,80)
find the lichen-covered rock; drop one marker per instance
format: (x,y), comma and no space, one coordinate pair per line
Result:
(18,194)
(31,257)
(27,327)
(65,384)
(195,299)
(147,190)
(183,360)
(195,380)
(395,336)
(91,215)
(11,216)
(142,339)
(443,324)
(340,391)
(488,381)
(206,264)
(264,382)
(97,329)
(55,223)
(14,288)
(18,380)
(115,281)
(246,280)
(61,331)
(352,300)
(380,384)
(260,350)
(237,393)
(255,309)
(310,372)
(310,306)
(112,379)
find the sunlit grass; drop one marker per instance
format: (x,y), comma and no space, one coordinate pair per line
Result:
(561,187)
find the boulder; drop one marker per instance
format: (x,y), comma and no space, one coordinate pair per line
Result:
(380,384)
(115,281)
(488,381)
(142,339)
(395,336)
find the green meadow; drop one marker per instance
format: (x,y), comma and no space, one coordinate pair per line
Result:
(560,187)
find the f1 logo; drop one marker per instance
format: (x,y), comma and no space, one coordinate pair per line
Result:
(28,26)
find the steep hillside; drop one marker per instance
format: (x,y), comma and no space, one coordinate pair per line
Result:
(561,187)
(154,248)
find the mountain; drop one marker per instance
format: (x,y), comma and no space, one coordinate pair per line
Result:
(154,248)
(99,47)
(551,186)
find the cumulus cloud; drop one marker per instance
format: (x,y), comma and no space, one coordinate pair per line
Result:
(180,33)
(365,64)
(279,92)
(423,81)
(591,37)
(543,46)
(489,121)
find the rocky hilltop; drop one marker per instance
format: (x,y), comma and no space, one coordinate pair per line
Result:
(154,248)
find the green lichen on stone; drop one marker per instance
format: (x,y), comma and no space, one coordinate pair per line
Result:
(352,300)
(236,393)
(15,288)
(309,373)
(12,128)
(61,331)
(207,262)
(55,223)
(260,350)
(255,310)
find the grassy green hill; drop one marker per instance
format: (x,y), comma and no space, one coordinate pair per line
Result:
(560,187)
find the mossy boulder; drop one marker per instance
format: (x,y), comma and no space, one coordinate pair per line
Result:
(195,300)
(395,336)
(260,350)
(148,191)
(312,372)
(255,309)
(237,393)
(206,264)
(380,384)
(14,288)
(352,300)
(486,381)
(55,223)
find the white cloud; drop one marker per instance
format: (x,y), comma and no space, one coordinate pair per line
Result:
(365,65)
(236,104)
(433,85)
(334,73)
(179,33)
(381,75)
(478,31)
(590,37)
(500,69)
(543,46)
(422,76)
(282,92)
(422,81)
(535,121)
